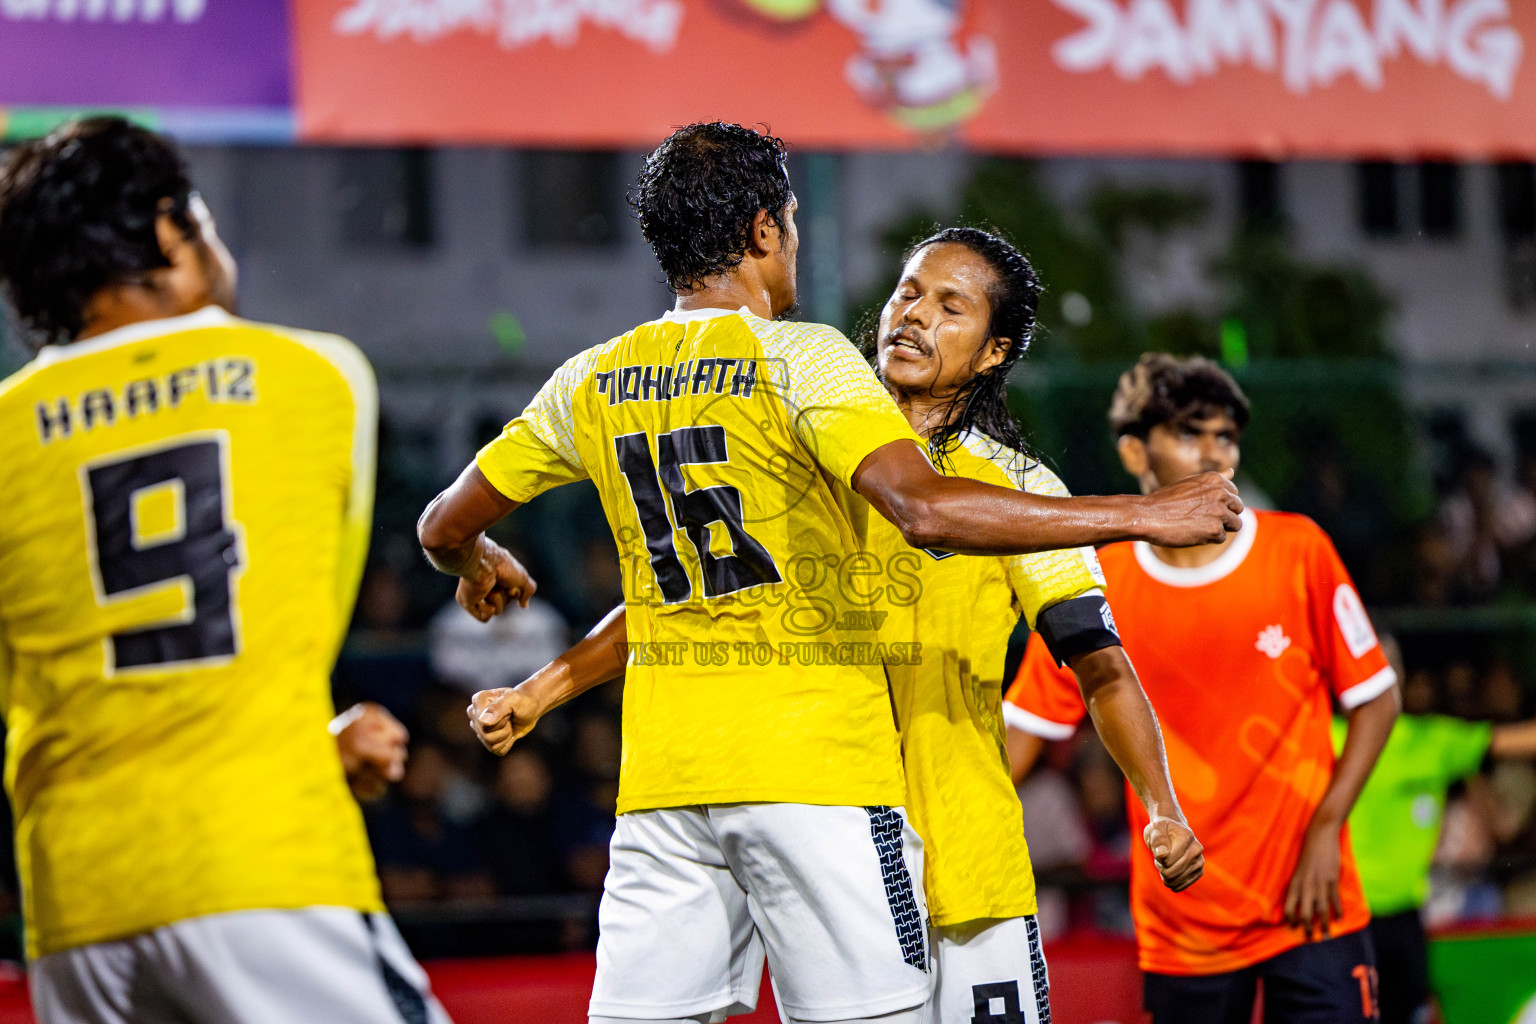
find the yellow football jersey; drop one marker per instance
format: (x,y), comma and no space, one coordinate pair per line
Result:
(722,446)
(187,512)
(949,703)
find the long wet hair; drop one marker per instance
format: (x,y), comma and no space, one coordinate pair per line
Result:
(981,403)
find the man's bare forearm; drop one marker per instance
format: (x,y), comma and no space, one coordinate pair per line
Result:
(1516,740)
(452,529)
(1369,726)
(959,514)
(970,517)
(453,559)
(1023,751)
(1128,727)
(595,659)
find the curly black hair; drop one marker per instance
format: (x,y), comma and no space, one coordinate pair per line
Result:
(1162,388)
(981,403)
(699,192)
(77,213)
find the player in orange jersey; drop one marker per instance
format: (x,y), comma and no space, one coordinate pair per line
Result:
(1243,647)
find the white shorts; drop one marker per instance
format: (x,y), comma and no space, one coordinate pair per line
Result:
(990,972)
(694,896)
(318,965)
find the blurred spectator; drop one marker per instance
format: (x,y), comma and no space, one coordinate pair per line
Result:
(1461,888)
(423,854)
(1513,789)
(383,602)
(1522,559)
(1101,787)
(473,655)
(518,834)
(1420,693)
(586,810)
(1053,820)
(1462,695)
(383,660)
(1057,833)
(1503,698)
(1435,566)
(602,578)
(1485,523)
(1349,508)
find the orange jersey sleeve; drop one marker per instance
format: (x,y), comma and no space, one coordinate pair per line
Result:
(1350,654)
(1044,699)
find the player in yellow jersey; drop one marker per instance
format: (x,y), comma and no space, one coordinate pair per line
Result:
(186,517)
(734,454)
(959,319)
(944,349)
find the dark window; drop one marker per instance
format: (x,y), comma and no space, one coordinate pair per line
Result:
(1517,218)
(1440,199)
(385,197)
(1258,184)
(1378,199)
(1517,200)
(572,198)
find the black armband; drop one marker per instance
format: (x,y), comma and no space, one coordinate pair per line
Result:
(1078,626)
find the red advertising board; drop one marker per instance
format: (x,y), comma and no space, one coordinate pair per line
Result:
(1276,77)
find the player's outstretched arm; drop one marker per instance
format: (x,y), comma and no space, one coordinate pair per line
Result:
(1023,751)
(1125,721)
(505,715)
(1312,899)
(1514,741)
(959,514)
(452,533)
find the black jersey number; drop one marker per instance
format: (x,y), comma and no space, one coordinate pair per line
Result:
(1005,993)
(694,512)
(202,549)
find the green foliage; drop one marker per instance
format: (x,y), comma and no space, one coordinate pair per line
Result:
(1156,209)
(1294,309)
(1081,260)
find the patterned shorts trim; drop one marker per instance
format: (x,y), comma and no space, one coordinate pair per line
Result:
(885,826)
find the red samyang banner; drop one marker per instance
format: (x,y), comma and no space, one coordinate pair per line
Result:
(1277,77)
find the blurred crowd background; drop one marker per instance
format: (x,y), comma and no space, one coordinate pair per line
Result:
(1380,316)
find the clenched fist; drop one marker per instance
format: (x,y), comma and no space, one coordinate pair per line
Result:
(1179,857)
(1200,509)
(501,717)
(495,581)
(371,742)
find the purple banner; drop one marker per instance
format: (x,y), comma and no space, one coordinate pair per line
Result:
(154,53)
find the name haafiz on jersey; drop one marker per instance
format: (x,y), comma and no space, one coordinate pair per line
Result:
(224,379)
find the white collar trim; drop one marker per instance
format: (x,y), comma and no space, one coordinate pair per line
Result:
(708,313)
(1201,575)
(208,316)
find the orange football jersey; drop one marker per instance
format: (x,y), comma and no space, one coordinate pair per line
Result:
(1242,659)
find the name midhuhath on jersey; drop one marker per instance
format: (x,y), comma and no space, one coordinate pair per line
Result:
(689,377)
